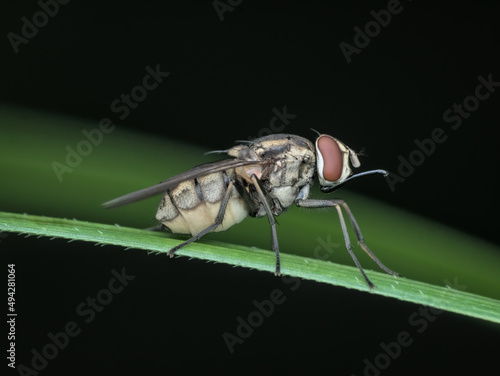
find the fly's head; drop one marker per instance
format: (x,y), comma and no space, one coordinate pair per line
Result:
(334,162)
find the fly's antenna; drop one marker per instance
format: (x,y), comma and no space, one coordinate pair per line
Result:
(362,152)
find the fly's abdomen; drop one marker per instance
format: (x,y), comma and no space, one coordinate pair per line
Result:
(193,205)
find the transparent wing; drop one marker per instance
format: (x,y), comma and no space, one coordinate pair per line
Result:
(195,172)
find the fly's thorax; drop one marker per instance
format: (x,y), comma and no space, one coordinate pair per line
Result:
(291,166)
(288,177)
(193,205)
(273,146)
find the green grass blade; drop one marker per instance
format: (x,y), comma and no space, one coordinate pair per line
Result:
(446,298)
(418,248)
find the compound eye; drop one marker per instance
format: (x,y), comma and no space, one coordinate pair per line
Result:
(331,156)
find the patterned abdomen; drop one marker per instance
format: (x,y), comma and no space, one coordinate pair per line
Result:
(193,205)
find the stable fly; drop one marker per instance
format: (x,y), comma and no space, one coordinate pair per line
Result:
(264,177)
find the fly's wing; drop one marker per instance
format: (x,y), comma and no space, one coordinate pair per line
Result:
(198,171)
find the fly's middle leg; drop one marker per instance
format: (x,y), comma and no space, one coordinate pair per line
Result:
(272,222)
(217,222)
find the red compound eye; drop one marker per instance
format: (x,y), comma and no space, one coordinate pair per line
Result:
(332,158)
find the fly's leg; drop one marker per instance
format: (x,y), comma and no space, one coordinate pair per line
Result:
(314,204)
(217,223)
(272,222)
(361,241)
(158,228)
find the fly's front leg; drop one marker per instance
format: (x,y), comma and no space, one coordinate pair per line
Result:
(272,222)
(314,204)
(361,241)
(217,223)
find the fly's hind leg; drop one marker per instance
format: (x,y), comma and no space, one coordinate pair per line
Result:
(217,223)
(158,228)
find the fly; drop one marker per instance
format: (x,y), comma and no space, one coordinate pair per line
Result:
(264,177)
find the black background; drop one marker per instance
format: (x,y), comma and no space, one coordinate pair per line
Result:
(226,76)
